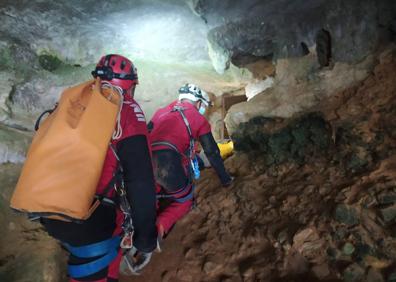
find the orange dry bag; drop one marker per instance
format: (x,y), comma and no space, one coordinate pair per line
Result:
(65,159)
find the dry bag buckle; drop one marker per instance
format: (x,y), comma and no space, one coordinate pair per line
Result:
(127,241)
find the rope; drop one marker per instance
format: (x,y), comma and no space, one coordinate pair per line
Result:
(118,130)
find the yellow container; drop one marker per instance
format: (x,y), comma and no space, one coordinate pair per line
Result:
(226,149)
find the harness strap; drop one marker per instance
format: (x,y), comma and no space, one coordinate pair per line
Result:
(107,249)
(117,177)
(176,197)
(82,270)
(106,200)
(93,250)
(185,120)
(181,196)
(166,143)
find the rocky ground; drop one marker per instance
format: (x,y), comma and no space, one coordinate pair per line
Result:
(325,215)
(27,252)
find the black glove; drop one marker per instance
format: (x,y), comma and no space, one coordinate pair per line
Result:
(212,152)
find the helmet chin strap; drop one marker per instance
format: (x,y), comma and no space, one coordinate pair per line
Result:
(131,91)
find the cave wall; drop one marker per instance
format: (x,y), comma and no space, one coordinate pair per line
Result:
(282,29)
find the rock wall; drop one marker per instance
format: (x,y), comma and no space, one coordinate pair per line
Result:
(257,28)
(299,84)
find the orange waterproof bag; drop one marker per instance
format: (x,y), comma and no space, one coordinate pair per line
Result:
(65,160)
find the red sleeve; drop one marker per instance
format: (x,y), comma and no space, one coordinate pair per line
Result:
(171,214)
(133,120)
(204,127)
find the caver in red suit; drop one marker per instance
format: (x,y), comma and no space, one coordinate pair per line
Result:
(174,130)
(94,245)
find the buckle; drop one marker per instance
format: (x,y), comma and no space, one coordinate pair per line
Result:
(127,241)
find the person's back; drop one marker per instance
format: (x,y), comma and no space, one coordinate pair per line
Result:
(94,245)
(174,131)
(170,126)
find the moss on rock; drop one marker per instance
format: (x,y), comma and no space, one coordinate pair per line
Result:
(280,140)
(49,62)
(6,59)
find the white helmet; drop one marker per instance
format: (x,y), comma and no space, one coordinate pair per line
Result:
(193,93)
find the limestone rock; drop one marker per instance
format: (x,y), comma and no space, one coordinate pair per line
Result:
(256,87)
(265,33)
(6,87)
(299,85)
(13,145)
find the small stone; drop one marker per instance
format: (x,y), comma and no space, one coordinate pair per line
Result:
(248,273)
(321,271)
(184,275)
(388,198)
(282,237)
(209,266)
(306,235)
(190,253)
(168,276)
(348,249)
(376,262)
(353,273)
(374,276)
(324,190)
(11,226)
(347,215)
(389,214)
(295,263)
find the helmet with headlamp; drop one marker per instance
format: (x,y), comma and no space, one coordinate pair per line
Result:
(194,93)
(117,70)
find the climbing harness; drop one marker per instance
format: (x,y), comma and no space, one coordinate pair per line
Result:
(182,195)
(106,250)
(125,207)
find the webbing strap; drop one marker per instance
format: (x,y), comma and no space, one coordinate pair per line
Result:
(165,143)
(181,111)
(94,250)
(188,196)
(82,270)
